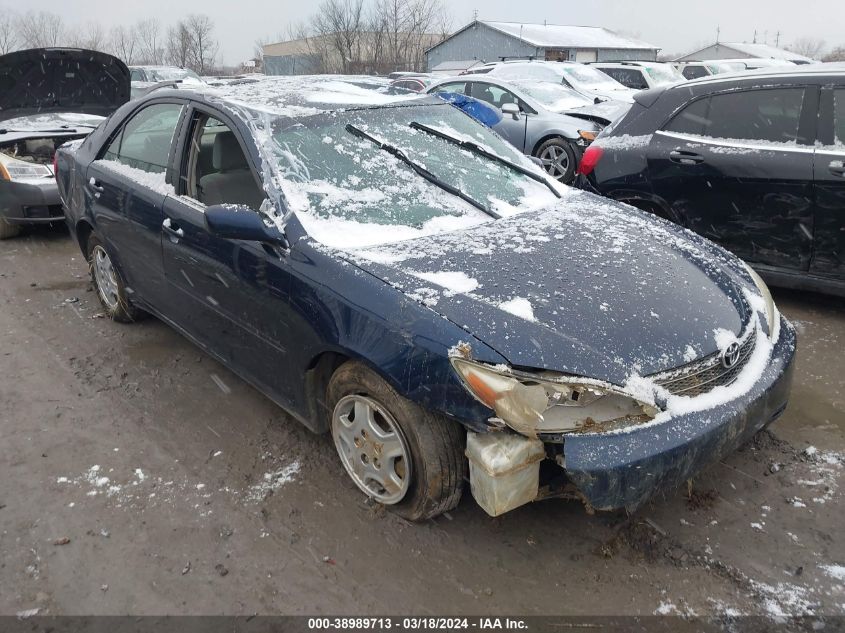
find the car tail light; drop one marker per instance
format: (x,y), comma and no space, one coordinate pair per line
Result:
(590,159)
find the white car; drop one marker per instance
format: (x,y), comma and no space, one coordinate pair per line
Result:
(640,75)
(587,80)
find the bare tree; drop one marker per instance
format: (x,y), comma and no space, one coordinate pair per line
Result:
(37,30)
(836,55)
(179,45)
(808,46)
(339,25)
(150,49)
(203,46)
(92,37)
(124,43)
(8,32)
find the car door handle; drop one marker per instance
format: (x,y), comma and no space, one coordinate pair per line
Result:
(96,185)
(172,229)
(837,168)
(685,158)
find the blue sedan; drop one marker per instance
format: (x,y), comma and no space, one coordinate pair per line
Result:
(393,273)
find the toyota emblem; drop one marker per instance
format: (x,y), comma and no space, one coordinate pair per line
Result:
(730,356)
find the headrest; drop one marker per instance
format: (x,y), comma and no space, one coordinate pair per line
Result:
(227,153)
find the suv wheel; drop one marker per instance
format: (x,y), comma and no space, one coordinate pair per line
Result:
(396,452)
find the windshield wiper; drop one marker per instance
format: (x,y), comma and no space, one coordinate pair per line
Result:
(475,148)
(420,170)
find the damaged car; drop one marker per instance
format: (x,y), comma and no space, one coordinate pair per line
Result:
(48,97)
(396,275)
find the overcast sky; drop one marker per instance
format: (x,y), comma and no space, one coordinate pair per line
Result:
(674,26)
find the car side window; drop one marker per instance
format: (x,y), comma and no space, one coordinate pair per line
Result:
(145,141)
(694,72)
(457,87)
(839,116)
(218,171)
(770,115)
(494,95)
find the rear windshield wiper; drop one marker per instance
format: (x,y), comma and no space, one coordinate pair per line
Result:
(475,148)
(422,171)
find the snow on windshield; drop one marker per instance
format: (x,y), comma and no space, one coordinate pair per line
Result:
(349,193)
(554,96)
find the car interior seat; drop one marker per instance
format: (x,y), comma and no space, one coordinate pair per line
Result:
(232,182)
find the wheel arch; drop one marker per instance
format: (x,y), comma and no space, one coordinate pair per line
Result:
(548,136)
(83,233)
(649,204)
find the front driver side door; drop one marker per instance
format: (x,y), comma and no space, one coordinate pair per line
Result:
(231,296)
(512,129)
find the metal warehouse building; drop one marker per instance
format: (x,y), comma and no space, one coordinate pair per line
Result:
(493,41)
(743,50)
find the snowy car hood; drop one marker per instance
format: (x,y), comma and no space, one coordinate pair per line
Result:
(53,80)
(590,287)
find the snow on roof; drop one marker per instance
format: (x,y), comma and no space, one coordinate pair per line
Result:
(765,51)
(303,95)
(556,35)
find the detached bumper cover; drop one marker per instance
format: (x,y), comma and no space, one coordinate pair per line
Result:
(25,203)
(624,470)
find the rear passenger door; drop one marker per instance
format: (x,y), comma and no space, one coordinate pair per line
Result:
(737,167)
(129,183)
(829,178)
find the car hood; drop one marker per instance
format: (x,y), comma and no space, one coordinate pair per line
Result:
(589,287)
(605,112)
(52,80)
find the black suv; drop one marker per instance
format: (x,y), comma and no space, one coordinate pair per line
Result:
(753,161)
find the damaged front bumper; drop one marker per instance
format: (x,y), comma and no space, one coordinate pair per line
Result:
(624,470)
(30,203)
(613,470)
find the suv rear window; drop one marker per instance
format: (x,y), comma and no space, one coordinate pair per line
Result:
(756,115)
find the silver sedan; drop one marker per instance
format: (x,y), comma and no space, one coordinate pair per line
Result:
(541,119)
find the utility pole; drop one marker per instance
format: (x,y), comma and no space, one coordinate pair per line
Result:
(755,36)
(777,39)
(717,34)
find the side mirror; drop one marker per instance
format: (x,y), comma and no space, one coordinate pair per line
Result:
(241,223)
(512,109)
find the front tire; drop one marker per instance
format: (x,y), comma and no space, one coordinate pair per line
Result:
(559,159)
(109,284)
(395,451)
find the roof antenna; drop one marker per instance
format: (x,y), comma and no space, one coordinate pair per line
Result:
(755,36)
(718,30)
(475,15)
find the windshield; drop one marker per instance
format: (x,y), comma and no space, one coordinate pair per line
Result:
(173,74)
(349,193)
(591,78)
(726,67)
(554,96)
(664,75)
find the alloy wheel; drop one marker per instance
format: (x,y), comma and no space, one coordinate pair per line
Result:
(372,448)
(555,161)
(105,276)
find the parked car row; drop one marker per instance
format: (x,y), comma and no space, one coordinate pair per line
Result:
(400,276)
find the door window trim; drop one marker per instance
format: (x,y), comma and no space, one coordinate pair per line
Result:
(707,140)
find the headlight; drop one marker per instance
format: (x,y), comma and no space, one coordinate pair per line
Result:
(13,169)
(767,307)
(548,402)
(587,135)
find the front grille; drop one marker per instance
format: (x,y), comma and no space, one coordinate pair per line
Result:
(705,374)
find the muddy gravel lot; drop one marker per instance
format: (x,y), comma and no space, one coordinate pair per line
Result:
(140,476)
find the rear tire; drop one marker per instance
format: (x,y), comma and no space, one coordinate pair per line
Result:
(108,282)
(432,445)
(559,159)
(8,230)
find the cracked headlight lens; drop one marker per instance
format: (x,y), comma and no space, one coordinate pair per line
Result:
(532,404)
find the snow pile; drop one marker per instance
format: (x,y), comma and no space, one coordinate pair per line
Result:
(453,282)
(271,482)
(519,306)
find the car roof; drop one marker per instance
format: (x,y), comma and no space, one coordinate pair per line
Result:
(832,69)
(297,96)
